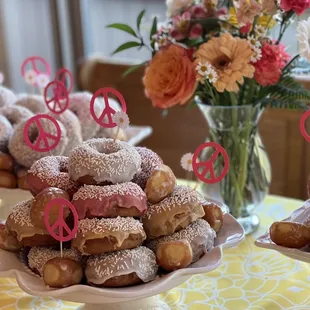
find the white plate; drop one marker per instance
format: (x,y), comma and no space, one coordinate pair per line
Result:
(136,134)
(298,216)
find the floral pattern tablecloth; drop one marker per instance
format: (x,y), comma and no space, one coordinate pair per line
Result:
(249,278)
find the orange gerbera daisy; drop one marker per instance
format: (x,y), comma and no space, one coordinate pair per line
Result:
(231,59)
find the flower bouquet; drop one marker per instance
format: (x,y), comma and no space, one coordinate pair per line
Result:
(219,56)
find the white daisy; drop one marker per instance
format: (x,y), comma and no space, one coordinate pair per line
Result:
(203,68)
(257,54)
(187,161)
(1,78)
(260,31)
(253,41)
(121,119)
(30,77)
(212,75)
(42,80)
(303,37)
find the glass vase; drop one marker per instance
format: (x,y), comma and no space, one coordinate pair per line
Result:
(247,181)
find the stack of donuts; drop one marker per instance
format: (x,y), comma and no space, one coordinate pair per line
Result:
(135,222)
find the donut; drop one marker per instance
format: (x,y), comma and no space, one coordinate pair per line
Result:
(199,234)
(16,114)
(26,156)
(19,222)
(213,214)
(79,104)
(21,179)
(149,162)
(34,103)
(6,162)
(62,272)
(7,97)
(103,160)
(39,256)
(7,179)
(124,199)
(73,127)
(6,130)
(175,212)
(122,268)
(8,240)
(160,184)
(41,200)
(97,236)
(173,255)
(289,234)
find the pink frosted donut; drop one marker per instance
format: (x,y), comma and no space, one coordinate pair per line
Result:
(79,103)
(50,171)
(102,160)
(7,97)
(6,131)
(34,103)
(124,199)
(73,127)
(16,114)
(150,161)
(23,154)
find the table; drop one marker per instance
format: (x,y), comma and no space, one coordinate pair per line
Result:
(249,278)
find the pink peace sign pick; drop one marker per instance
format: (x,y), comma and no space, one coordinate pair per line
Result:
(302,126)
(107,112)
(42,142)
(60,225)
(202,168)
(66,77)
(58,101)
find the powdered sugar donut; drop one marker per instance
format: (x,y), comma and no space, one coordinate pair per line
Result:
(6,131)
(16,114)
(102,160)
(73,127)
(34,103)
(7,97)
(23,154)
(50,171)
(79,103)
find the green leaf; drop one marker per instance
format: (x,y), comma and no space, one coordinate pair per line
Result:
(123,27)
(154,28)
(139,19)
(132,69)
(126,46)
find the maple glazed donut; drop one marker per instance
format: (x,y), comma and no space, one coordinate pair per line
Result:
(16,114)
(7,97)
(124,199)
(97,236)
(103,160)
(50,171)
(122,268)
(34,103)
(6,130)
(175,212)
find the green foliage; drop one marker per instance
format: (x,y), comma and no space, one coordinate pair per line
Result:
(123,27)
(139,19)
(132,69)
(126,46)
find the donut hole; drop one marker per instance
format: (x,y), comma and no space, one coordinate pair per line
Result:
(33,134)
(102,149)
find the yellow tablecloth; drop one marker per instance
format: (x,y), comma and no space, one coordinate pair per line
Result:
(249,278)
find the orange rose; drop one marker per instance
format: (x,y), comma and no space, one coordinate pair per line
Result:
(170,77)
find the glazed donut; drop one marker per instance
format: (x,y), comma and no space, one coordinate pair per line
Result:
(23,154)
(213,214)
(6,130)
(39,256)
(21,179)
(103,160)
(122,268)
(19,222)
(6,162)
(97,236)
(73,127)
(7,179)
(34,103)
(199,234)
(62,272)
(173,213)
(173,255)
(8,240)
(160,184)
(149,162)
(50,171)
(16,114)
(79,104)
(41,200)
(289,234)
(124,199)
(7,97)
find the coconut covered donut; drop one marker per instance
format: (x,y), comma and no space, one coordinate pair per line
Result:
(16,114)
(6,130)
(102,160)
(50,171)
(122,268)
(79,104)
(34,103)
(7,97)
(73,127)
(23,154)
(124,199)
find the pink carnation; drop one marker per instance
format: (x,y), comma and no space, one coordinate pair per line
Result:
(298,6)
